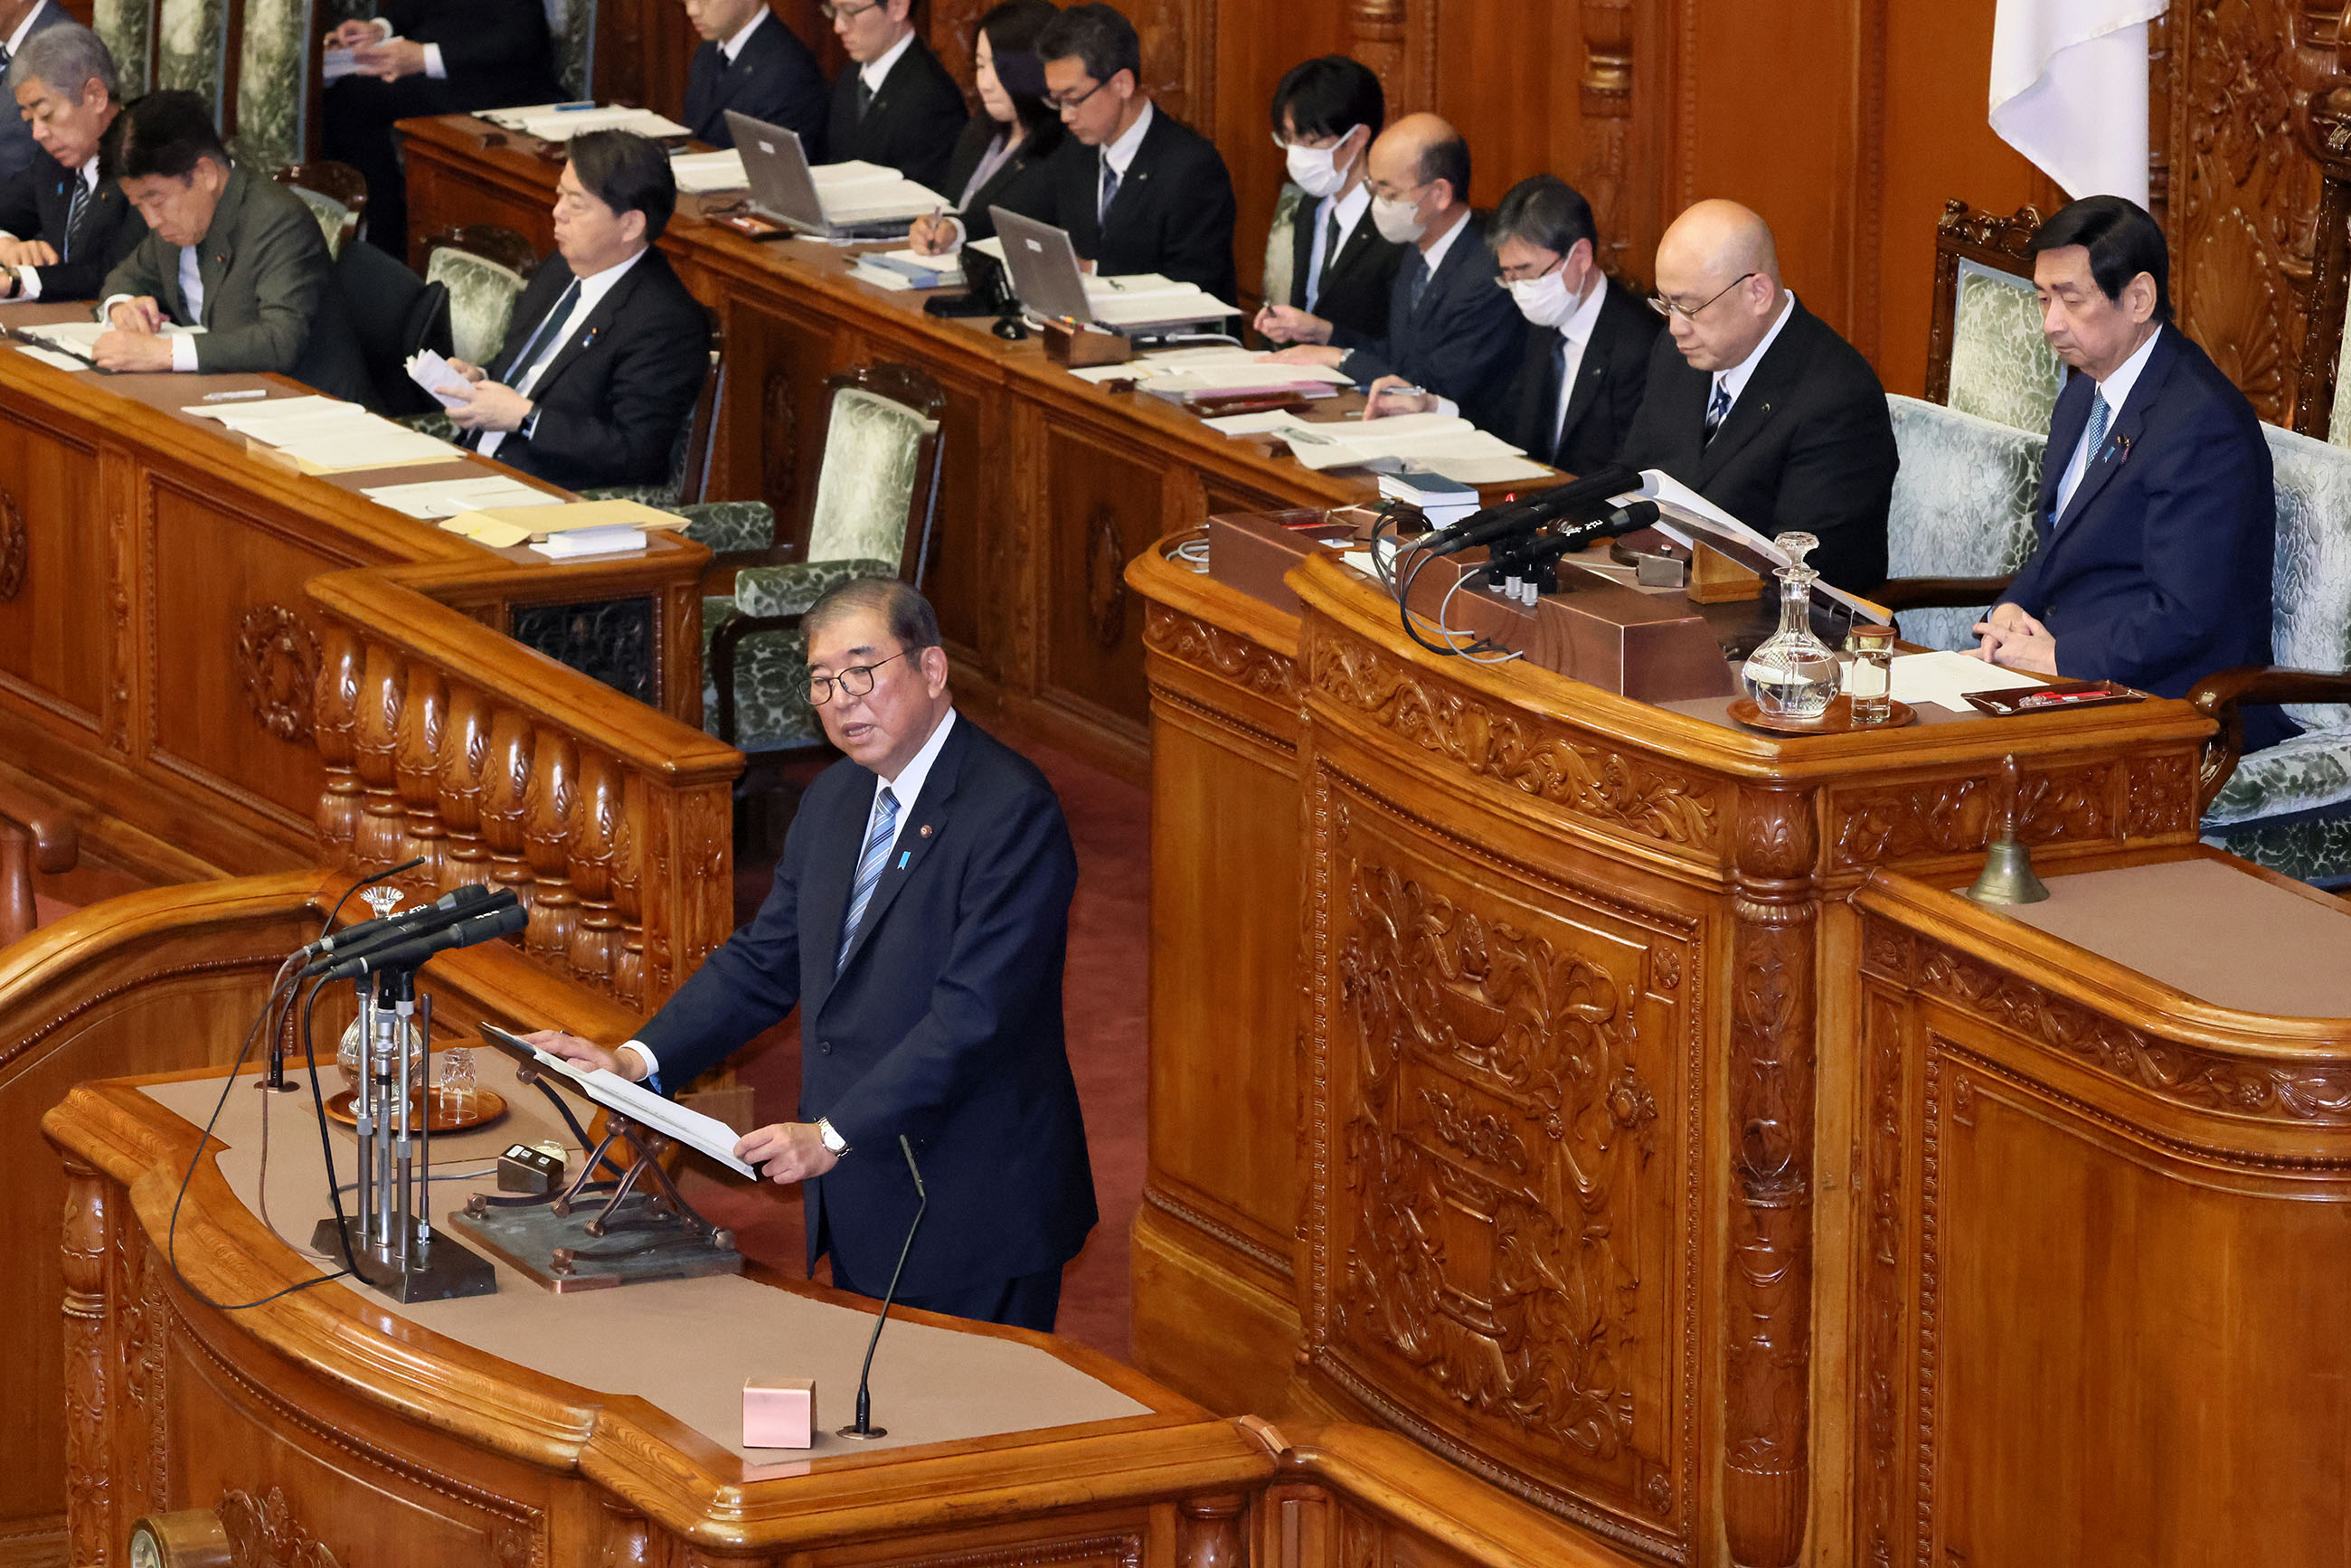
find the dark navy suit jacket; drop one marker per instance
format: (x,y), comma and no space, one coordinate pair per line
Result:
(774,80)
(2159,573)
(1463,340)
(945,1024)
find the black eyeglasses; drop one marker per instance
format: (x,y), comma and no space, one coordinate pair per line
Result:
(1664,307)
(1065,103)
(856,680)
(847,13)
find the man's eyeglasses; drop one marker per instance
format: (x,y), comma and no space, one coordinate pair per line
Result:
(832,13)
(1506,275)
(1664,307)
(1065,103)
(856,680)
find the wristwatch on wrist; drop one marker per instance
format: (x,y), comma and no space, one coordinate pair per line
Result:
(832,1140)
(529,426)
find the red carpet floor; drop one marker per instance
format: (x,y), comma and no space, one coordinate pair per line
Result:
(1104,995)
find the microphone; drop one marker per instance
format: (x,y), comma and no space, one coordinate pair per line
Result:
(1499,522)
(501,922)
(1626,520)
(865,1426)
(371,930)
(420,923)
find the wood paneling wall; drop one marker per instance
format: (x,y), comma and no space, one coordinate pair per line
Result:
(1847,123)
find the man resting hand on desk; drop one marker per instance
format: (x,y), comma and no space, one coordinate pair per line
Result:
(919,922)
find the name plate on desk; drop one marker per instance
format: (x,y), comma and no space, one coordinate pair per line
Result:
(1654,647)
(1254,551)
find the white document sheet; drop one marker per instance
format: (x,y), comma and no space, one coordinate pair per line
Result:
(433,499)
(698,173)
(51,358)
(561,122)
(1687,513)
(253,413)
(436,375)
(1945,678)
(688,1127)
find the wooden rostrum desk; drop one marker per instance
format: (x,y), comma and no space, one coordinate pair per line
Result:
(1052,486)
(159,652)
(1505,1078)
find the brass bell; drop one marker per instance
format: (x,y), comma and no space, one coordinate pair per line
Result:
(2008,876)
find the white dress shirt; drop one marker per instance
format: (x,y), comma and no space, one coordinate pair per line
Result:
(192,289)
(876,71)
(1120,154)
(907,787)
(1733,380)
(2117,390)
(1350,205)
(434,66)
(1577,335)
(593,289)
(1434,254)
(29,279)
(733,48)
(23,30)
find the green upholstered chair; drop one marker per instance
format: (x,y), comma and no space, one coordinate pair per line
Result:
(126,27)
(573,24)
(1962,508)
(276,57)
(336,193)
(192,47)
(876,499)
(1985,352)
(1281,241)
(486,268)
(689,459)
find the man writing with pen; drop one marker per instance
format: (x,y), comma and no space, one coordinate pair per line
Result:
(1452,330)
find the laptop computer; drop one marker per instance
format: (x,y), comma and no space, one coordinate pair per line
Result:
(1048,281)
(785,191)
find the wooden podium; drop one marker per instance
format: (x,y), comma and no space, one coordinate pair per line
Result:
(1506,1061)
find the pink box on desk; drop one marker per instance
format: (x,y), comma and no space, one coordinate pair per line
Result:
(779,1412)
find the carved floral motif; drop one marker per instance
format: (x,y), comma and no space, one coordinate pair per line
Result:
(2162,795)
(264,1533)
(1897,823)
(277,660)
(1106,593)
(1584,776)
(15,545)
(1236,658)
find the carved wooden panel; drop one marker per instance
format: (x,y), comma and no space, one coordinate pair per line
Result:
(1106,507)
(53,636)
(1504,1141)
(770,432)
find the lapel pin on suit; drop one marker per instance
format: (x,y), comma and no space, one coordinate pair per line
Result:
(925,830)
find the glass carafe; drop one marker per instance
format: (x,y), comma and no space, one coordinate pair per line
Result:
(1793,674)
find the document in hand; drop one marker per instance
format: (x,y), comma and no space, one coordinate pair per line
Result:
(435,375)
(1683,513)
(641,1106)
(339,63)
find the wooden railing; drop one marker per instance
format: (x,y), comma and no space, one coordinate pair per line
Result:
(445,739)
(34,838)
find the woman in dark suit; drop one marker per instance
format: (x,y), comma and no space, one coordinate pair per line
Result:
(1000,159)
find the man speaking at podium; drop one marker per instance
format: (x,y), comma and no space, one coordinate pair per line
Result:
(919,921)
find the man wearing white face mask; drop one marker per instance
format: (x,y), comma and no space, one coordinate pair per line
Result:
(1325,113)
(1450,331)
(1586,363)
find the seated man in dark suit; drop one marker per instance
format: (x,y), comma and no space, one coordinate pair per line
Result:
(1326,113)
(1004,157)
(419,57)
(918,922)
(893,104)
(226,250)
(1450,331)
(1587,357)
(22,21)
(607,351)
(2158,520)
(752,63)
(1137,189)
(65,227)
(1758,405)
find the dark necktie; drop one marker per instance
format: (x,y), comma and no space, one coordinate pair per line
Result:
(1416,279)
(880,834)
(1718,409)
(865,95)
(1560,390)
(74,210)
(1109,192)
(1321,278)
(537,347)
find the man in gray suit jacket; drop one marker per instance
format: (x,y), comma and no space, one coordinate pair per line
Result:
(227,249)
(19,20)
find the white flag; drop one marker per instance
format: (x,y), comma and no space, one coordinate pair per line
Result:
(2069,91)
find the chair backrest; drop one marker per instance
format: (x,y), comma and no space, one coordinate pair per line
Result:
(336,193)
(486,268)
(1281,241)
(572,23)
(1962,507)
(276,57)
(1985,352)
(393,314)
(877,492)
(2323,124)
(689,466)
(192,48)
(126,27)
(2310,622)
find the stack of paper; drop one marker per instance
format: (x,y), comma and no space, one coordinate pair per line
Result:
(434,500)
(1945,679)
(1193,375)
(699,173)
(578,542)
(603,522)
(437,376)
(340,64)
(321,436)
(910,270)
(562,122)
(1686,514)
(1416,440)
(858,193)
(1146,300)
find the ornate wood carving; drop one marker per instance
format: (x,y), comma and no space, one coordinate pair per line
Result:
(1888,824)
(16,544)
(1877,1519)
(277,662)
(264,1533)
(1768,1306)
(141,1311)
(1119,1549)
(1105,578)
(1963,233)
(1606,94)
(1208,1532)
(2163,797)
(1623,790)
(779,441)
(1221,653)
(1397,39)
(89,1238)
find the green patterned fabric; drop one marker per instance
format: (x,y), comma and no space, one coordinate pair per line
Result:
(1962,507)
(791,589)
(126,27)
(2002,369)
(437,424)
(1281,241)
(727,527)
(335,219)
(482,297)
(2312,849)
(192,51)
(273,91)
(872,452)
(2338,420)
(573,22)
(661,498)
(771,706)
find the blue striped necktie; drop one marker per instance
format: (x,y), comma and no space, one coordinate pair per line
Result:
(878,840)
(2099,414)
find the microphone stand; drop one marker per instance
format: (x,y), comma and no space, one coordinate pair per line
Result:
(866,1428)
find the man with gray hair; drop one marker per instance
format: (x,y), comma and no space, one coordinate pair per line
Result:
(21,21)
(62,228)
